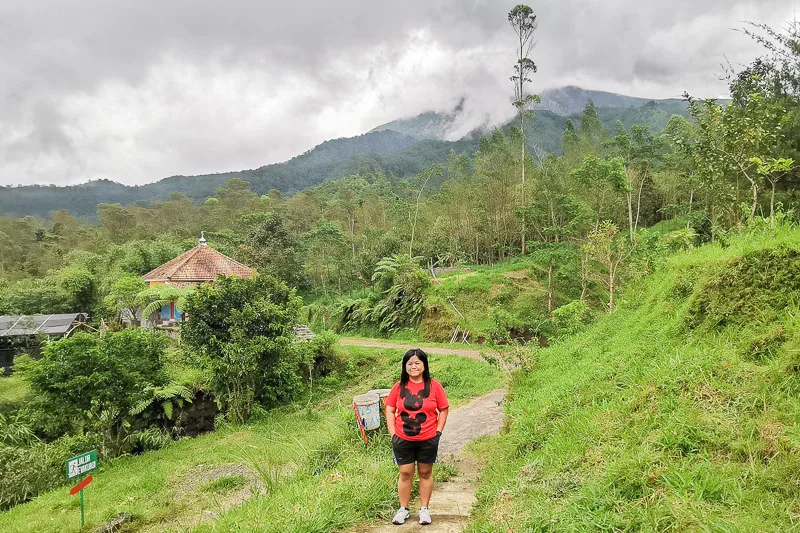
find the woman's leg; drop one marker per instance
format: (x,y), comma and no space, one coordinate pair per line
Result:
(404,484)
(425,473)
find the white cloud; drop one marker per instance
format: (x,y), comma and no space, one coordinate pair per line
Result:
(135,92)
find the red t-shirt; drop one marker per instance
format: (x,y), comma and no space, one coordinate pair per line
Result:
(418,409)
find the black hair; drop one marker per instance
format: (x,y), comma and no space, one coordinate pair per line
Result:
(426,374)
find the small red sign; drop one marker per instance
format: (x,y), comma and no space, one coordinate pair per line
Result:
(80,486)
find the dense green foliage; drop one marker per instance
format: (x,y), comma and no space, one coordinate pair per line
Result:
(328,240)
(29,468)
(241,332)
(87,373)
(122,393)
(80,395)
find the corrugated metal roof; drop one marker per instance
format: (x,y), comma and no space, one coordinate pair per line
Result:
(19,325)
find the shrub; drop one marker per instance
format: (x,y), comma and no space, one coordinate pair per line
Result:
(399,301)
(241,330)
(572,317)
(320,354)
(755,288)
(503,322)
(681,240)
(87,373)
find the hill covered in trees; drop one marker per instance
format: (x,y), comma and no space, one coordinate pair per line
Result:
(399,149)
(329,160)
(556,105)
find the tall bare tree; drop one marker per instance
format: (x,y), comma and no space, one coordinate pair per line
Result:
(523,21)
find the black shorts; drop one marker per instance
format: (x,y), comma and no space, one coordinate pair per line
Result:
(414,451)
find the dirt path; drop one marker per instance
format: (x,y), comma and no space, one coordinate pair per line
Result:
(452,501)
(464,352)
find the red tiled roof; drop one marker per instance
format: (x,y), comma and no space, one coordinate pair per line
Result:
(182,284)
(201,263)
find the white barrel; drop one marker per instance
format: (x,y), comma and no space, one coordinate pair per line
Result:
(368,407)
(382,394)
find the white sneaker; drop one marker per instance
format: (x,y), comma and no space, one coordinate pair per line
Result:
(424,516)
(400,516)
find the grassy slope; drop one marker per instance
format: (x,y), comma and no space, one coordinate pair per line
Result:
(474,290)
(512,287)
(13,392)
(680,412)
(313,471)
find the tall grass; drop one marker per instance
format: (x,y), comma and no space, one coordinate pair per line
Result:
(680,412)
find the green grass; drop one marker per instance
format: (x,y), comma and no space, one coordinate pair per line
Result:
(184,372)
(225,484)
(401,339)
(660,417)
(13,392)
(667,226)
(304,468)
(488,297)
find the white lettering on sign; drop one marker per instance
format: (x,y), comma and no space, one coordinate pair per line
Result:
(81,465)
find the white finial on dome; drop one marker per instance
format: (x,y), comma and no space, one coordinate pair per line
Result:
(203,239)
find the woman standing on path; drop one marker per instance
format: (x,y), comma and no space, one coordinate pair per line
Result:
(416,413)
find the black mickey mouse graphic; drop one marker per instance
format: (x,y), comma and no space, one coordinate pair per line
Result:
(413,402)
(412,425)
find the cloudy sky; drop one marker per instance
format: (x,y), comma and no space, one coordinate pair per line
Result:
(138,90)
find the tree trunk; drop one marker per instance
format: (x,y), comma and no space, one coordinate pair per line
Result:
(639,203)
(713,222)
(353,236)
(550,289)
(552,215)
(584,276)
(630,215)
(522,127)
(610,291)
(416,213)
(755,199)
(772,205)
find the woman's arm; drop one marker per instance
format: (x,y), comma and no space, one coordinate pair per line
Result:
(442,419)
(390,415)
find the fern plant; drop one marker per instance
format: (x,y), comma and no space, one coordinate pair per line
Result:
(171,395)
